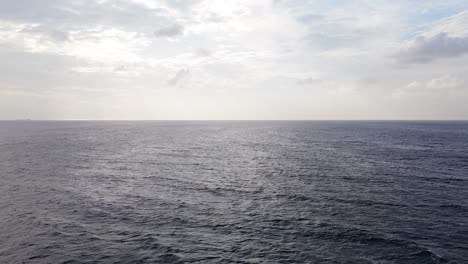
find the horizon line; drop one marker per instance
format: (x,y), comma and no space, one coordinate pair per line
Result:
(225,120)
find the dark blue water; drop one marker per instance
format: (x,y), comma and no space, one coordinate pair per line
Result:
(233,192)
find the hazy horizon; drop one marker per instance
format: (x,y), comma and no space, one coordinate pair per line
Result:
(246,120)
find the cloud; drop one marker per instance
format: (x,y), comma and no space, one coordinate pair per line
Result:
(455,25)
(79,14)
(60,35)
(443,85)
(180,76)
(309,81)
(182,4)
(277,2)
(349,26)
(306,55)
(169,31)
(308,18)
(203,52)
(426,49)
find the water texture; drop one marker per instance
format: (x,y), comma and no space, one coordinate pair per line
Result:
(233,192)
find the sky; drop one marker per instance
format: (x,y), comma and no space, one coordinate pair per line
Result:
(233,59)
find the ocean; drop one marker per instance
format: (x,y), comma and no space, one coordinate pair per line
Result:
(233,192)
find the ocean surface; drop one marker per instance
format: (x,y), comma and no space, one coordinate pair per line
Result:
(233,192)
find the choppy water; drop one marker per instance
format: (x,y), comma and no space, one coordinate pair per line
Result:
(233,192)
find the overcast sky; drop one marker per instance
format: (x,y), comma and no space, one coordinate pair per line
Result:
(233,59)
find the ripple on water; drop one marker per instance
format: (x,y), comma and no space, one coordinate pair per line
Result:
(233,192)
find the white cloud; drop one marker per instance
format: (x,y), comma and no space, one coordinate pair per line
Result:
(448,84)
(455,26)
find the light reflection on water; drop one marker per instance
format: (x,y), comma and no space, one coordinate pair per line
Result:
(224,192)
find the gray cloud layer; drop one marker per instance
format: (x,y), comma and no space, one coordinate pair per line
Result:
(423,49)
(169,31)
(122,59)
(54,16)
